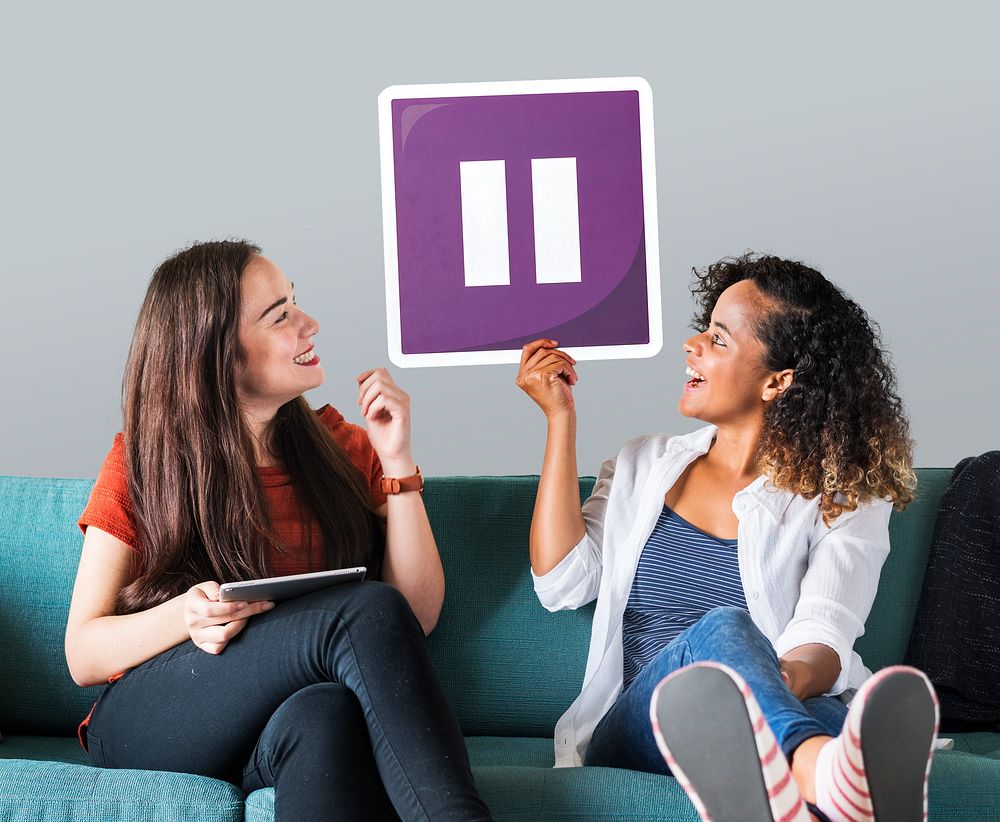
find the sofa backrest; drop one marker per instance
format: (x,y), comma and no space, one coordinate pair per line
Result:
(887,630)
(511,668)
(508,666)
(39,551)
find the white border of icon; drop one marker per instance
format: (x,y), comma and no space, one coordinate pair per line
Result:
(647,149)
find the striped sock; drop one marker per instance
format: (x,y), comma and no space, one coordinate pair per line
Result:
(785,801)
(787,804)
(841,786)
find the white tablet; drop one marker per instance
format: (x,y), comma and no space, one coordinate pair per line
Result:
(276,588)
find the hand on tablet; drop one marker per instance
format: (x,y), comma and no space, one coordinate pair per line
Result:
(211,623)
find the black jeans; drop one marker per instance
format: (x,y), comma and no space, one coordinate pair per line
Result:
(331,698)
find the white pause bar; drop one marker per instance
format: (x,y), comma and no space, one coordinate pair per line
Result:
(556,221)
(484,222)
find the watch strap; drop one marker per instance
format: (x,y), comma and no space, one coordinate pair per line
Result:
(397,485)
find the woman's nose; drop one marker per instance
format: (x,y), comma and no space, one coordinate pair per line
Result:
(309,326)
(692,346)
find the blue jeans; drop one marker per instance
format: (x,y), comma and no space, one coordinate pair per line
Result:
(331,698)
(624,737)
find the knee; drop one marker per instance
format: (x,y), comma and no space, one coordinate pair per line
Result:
(324,698)
(727,635)
(384,606)
(316,718)
(727,622)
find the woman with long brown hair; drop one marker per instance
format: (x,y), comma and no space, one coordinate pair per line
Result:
(224,473)
(734,567)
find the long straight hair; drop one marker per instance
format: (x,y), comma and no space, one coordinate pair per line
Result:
(199,508)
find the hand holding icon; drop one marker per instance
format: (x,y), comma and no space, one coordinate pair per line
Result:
(547,376)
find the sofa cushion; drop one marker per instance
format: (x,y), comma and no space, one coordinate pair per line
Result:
(964,786)
(50,787)
(514,774)
(516,779)
(984,743)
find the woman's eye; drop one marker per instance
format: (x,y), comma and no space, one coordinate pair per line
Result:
(284,316)
(718,340)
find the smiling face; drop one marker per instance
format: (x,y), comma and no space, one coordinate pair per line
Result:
(736,385)
(275,336)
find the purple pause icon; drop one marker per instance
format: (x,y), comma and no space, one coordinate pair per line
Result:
(513,216)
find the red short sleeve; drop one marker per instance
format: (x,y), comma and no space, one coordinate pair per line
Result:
(354,440)
(109,507)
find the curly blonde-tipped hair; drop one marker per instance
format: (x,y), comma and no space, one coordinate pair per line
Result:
(839,431)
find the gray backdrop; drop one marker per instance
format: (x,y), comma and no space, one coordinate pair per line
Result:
(861,139)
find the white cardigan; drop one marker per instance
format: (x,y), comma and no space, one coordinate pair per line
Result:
(804,582)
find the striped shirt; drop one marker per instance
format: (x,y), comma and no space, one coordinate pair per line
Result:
(683,573)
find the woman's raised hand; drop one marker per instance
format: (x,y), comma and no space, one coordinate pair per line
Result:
(547,376)
(211,623)
(386,409)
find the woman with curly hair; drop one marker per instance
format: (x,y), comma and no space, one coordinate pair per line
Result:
(736,565)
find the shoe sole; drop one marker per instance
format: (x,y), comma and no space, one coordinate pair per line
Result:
(898,727)
(705,733)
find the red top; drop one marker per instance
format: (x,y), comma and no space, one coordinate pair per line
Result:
(110,509)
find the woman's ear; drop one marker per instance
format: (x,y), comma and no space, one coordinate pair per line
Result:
(777,384)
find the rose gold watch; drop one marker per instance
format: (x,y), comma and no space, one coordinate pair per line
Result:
(397,485)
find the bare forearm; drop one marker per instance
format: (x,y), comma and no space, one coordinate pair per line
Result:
(812,669)
(412,564)
(557,522)
(107,645)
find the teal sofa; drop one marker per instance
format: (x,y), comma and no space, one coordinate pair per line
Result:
(509,667)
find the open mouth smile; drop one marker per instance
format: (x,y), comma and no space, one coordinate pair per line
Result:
(307,357)
(696,378)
